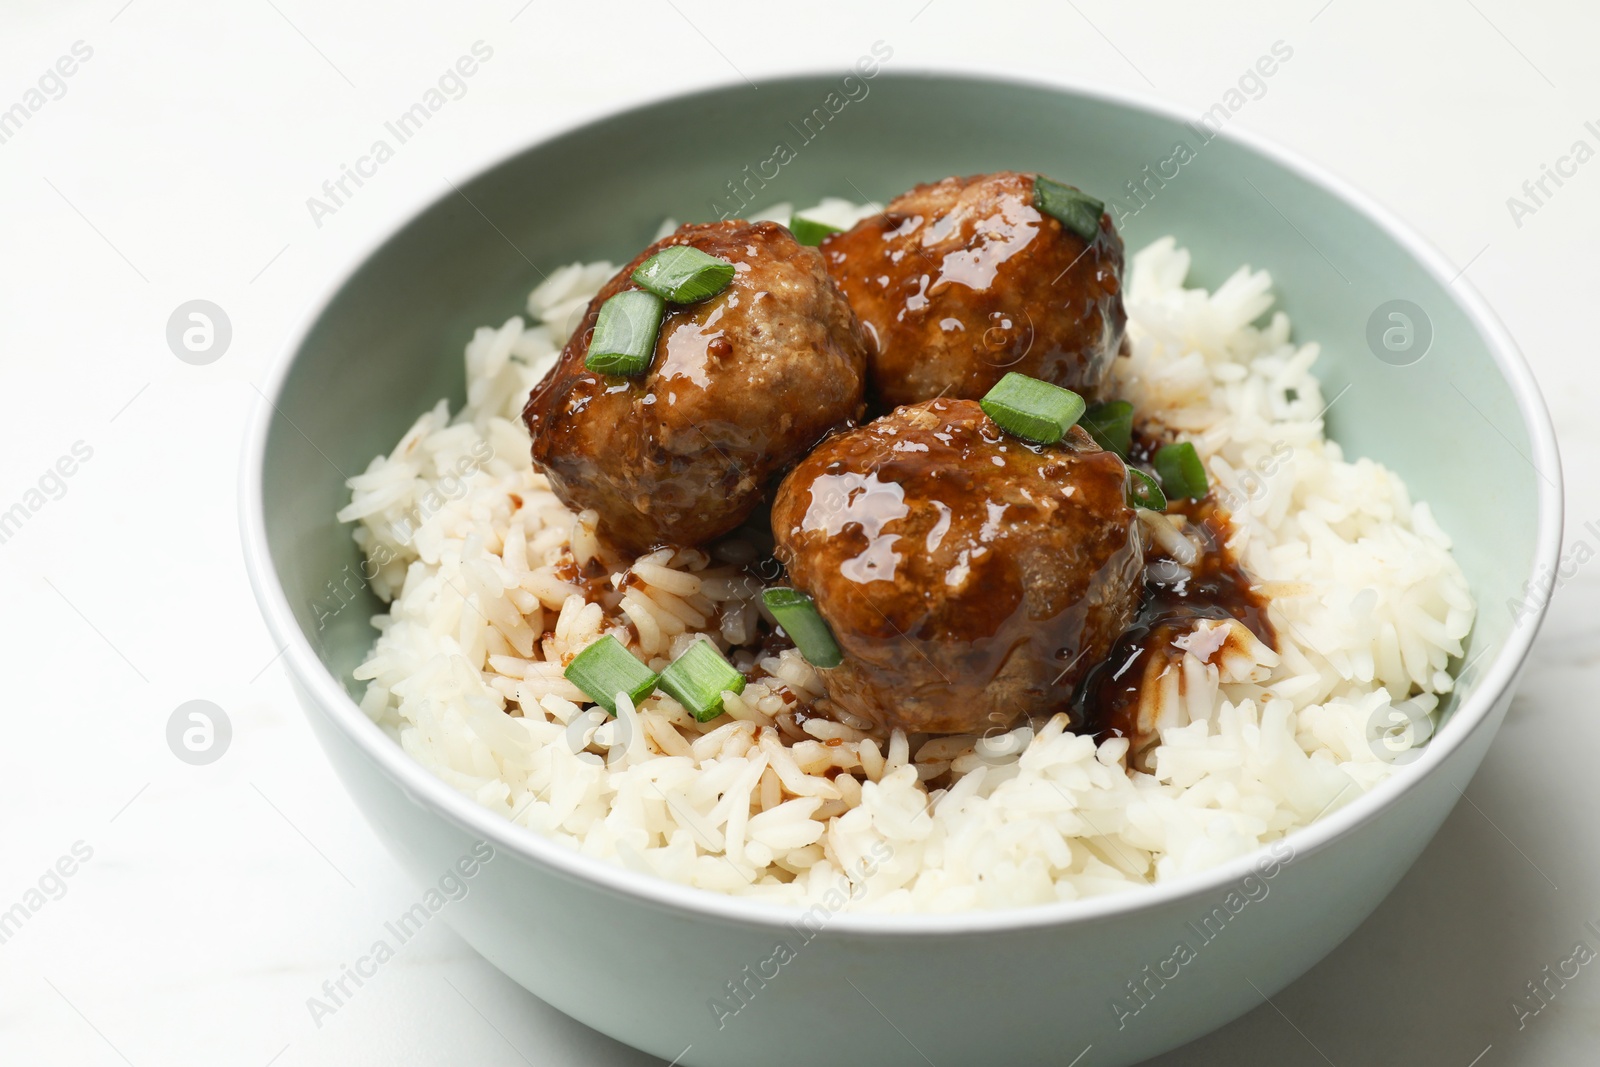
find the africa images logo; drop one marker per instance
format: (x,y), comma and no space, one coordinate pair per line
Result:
(1251,889)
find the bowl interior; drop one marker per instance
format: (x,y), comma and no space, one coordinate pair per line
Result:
(388,344)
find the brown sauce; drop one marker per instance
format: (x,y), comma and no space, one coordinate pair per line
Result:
(770,640)
(594,578)
(1173,601)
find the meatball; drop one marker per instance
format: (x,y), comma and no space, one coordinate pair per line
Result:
(962,280)
(740,386)
(970,578)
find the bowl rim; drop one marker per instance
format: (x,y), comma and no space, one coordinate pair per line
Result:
(423,787)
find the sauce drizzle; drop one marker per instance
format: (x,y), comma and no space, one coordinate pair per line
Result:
(1174,600)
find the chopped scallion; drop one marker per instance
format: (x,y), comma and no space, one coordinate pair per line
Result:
(683,274)
(1181,472)
(605,668)
(698,678)
(1032,410)
(1141,491)
(810,231)
(625,333)
(1075,209)
(1111,425)
(797,613)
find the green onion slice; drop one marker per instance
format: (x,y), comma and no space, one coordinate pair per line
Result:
(810,231)
(625,333)
(683,274)
(605,668)
(797,613)
(1141,491)
(698,678)
(1076,210)
(1032,410)
(1111,425)
(1180,470)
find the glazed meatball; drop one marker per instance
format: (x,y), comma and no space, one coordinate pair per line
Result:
(962,280)
(970,578)
(740,386)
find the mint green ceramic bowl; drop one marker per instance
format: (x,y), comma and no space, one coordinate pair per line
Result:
(641,959)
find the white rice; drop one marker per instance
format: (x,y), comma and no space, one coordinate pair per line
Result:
(477,558)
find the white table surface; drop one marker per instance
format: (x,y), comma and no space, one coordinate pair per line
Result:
(176,166)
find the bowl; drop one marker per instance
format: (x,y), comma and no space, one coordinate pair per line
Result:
(647,961)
